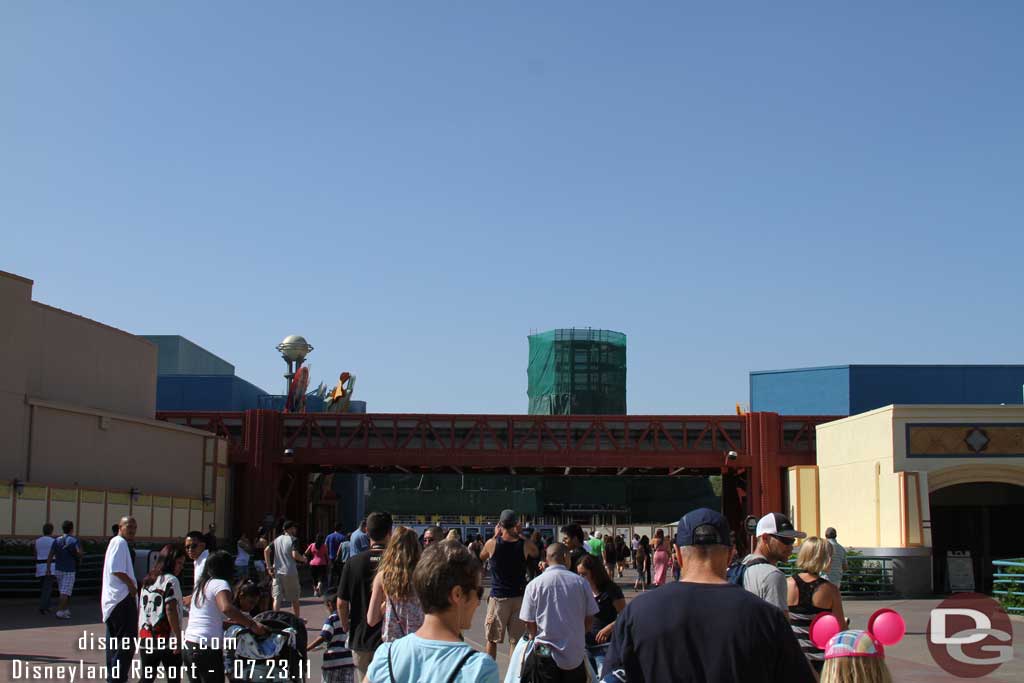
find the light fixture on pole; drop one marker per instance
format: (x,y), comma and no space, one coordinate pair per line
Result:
(294,349)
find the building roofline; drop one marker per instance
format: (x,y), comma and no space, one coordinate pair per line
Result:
(889,365)
(93,322)
(19,278)
(780,371)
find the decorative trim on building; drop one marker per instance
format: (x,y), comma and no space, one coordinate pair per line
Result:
(965,440)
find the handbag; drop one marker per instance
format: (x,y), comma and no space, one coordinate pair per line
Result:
(523,649)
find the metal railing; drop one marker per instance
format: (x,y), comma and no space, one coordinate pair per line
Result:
(18,576)
(865,577)
(1008,584)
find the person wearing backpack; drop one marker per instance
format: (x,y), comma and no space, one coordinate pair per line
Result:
(701,628)
(757,572)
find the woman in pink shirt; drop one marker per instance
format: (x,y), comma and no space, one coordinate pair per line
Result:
(662,559)
(317,554)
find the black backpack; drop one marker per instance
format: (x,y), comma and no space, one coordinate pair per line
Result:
(735,572)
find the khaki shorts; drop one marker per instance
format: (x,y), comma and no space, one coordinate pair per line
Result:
(286,587)
(502,618)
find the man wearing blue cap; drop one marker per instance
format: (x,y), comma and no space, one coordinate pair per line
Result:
(704,628)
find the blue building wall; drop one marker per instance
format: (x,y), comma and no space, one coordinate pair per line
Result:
(206,392)
(812,391)
(179,356)
(874,386)
(852,389)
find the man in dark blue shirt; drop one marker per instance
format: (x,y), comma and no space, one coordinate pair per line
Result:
(334,562)
(704,628)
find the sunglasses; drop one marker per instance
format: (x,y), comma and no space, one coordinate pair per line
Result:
(784,540)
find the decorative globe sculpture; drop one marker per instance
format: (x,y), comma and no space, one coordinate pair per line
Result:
(294,348)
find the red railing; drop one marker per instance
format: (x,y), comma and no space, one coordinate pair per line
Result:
(620,442)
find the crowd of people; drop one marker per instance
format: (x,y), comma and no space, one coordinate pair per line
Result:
(398,602)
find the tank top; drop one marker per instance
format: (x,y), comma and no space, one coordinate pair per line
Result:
(401,617)
(802,614)
(508,569)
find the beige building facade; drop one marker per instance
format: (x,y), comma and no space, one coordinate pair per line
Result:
(917,482)
(78,438)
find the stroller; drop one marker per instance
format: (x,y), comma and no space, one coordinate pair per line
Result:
(277,656)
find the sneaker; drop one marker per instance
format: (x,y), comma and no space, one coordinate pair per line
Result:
(66,614)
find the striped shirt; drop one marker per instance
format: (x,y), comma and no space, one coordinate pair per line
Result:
(337,654)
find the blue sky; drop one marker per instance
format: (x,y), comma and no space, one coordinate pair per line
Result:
(416,186)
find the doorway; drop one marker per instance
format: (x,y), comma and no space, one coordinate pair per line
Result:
(980,517)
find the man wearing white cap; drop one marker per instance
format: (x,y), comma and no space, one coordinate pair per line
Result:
(759,575)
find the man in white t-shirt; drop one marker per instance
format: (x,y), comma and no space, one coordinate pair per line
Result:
(42,547)
(119,602)
(195,548)
(281,557)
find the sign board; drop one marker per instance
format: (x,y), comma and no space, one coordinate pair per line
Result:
(750,525)
(960,570)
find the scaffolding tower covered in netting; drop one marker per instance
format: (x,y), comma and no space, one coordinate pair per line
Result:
(577,372)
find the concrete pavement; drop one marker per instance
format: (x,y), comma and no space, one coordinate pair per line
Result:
(28,636)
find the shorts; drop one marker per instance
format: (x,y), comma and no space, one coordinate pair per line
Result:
(286,587)
(503,618)
(65,582)
(340,674)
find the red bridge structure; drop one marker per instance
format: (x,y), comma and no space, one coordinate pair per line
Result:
(272,453)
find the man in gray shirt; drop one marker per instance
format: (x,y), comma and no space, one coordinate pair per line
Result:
(281,558)
(775,538)
(838,568)
(558,609)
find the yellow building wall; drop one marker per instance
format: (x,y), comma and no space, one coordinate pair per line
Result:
(804,508)
(859,492)
(93,511)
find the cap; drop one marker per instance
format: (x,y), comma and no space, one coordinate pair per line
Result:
(289,524)
(853,644)
(777,524)
(702,526)
(507,517)
(885,627)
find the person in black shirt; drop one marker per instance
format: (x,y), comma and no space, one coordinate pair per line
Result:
(610,601)
(572,538)
(704,628)
(354,590)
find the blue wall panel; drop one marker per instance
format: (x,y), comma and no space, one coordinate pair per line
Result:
(179,356)
(874,386)
(814,391)
(206,392)
(848,390)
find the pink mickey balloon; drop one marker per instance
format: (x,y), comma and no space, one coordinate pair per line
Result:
(887,626)
(822,629)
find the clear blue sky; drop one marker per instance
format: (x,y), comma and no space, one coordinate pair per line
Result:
(415,186)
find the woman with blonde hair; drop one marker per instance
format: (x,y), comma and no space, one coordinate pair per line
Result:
(808,595)
(392,597)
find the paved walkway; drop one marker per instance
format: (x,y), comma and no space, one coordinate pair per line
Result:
(26,635)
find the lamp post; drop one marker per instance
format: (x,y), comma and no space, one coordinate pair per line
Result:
(294,350)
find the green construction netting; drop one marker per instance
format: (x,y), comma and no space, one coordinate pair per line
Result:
(577,372)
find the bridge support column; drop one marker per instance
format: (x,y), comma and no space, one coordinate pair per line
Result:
(764,439)
(259,476)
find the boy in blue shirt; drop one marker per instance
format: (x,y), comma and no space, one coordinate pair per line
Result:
(337,666)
